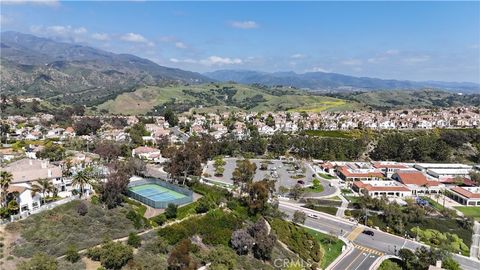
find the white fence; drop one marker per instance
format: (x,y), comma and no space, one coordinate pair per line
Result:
(42,208)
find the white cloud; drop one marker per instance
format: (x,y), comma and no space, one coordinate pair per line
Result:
(297,56)
(180,45)
(188,61)
(416,59)
(101,36)
(35,2)
(80,30)
(352,62)
(318,69)
(65,32)
(132,37)
(392,52)
(383,56)
(220,61)
(136,38)
(210,61)
(4,20)
(244,24)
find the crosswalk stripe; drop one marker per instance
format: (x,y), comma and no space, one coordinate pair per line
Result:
(369,250)
(355,233)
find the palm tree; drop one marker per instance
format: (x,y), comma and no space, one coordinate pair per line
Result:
(43,186)
(5,180)
(83,178)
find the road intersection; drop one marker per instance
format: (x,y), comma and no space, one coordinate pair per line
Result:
(364,249)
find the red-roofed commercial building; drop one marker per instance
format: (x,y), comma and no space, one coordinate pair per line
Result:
(382,189)
(351,174)
(469,196)
(417,182)
(389,168)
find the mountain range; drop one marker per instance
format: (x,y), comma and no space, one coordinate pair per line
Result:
(73,73)
(334,81)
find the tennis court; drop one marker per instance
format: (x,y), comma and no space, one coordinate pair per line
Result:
(158,194)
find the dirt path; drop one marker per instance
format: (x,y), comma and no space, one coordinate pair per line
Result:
(8,239)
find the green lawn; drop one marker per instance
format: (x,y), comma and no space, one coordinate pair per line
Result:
(470,211)
(331,245)
(326,176)
(314,189)
(325,209)
(433,203)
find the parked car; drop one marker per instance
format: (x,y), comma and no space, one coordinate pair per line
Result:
(368,232)
(301,182)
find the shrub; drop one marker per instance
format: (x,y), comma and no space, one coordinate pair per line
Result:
(222,257)
(298,240)
(39,261)
(171,211)
(135,218)
(215,228)
(134,240)
(204,204)
(156,245)
(94,253)
(72,254)
(115,255)
(160,219)
(179,257)
(82,209)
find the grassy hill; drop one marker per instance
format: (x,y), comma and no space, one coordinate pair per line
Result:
(215,96)
(426,98)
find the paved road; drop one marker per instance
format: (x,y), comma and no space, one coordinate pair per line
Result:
(381,243)
(356,260)
(182,136)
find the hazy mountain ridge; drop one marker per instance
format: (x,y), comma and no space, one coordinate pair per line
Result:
(72,73)
(334,81)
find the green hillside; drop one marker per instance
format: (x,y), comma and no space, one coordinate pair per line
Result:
(217,95)
(426,98)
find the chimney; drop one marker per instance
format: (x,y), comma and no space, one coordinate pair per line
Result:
(49,173)
(44,164)
(30,162)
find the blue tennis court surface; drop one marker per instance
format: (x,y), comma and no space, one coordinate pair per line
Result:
(156,193)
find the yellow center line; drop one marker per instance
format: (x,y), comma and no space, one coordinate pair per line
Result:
(348,266)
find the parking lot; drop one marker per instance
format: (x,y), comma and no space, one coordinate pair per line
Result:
(286,173)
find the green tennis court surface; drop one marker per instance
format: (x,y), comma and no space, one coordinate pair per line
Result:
(156,193)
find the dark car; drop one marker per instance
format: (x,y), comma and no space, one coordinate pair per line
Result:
(368,232)
(300,182)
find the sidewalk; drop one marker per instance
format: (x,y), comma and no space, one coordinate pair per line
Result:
(341,209)
(475,247)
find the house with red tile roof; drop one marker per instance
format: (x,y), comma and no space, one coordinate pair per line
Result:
(350,173)
(469,196)
(389,168)
(417,181)
(391,189)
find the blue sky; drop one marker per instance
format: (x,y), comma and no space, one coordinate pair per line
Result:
(398,40)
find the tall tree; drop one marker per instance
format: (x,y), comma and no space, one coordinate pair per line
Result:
(259,193)
(185,161)
(244,173)
(43,186)
(82,179)
(5,180)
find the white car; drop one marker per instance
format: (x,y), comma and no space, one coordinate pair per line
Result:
(312,216)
